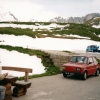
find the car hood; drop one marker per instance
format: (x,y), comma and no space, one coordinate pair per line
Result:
(74,65)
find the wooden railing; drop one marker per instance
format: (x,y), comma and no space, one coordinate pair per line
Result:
(26,70)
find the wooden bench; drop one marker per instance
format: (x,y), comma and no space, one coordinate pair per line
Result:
(20,86)
(26,70)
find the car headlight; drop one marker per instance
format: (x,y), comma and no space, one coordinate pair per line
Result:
(78,69)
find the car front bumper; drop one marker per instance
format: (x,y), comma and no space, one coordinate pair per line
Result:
(72,73)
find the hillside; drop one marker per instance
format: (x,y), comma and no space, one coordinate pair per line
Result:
(55,30)
(29,38)
(94,21)
(6,15)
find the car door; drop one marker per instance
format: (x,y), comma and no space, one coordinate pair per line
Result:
(95,64)
(91,67)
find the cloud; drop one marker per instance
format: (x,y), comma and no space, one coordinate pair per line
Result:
(26,10)
(96,2)
(44,10)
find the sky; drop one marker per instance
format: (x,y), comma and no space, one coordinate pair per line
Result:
(16,59)
(43,10)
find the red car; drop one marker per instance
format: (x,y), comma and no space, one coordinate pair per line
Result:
(82,65)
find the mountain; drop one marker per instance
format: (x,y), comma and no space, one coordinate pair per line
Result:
(6,15)
(59,19)
(94,21)
(79,20)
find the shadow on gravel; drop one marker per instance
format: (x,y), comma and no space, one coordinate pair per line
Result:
(78,77)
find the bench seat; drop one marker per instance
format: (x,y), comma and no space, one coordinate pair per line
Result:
(20,88)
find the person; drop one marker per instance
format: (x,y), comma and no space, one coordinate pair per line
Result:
(2,88)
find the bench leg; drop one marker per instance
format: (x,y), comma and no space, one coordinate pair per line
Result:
(8,98)
(8,92)
(19,91)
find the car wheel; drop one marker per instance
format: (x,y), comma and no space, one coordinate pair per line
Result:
(84,75)
(64,74)
(97,72)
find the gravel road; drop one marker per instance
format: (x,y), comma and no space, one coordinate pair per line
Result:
(59,88)
(64,53)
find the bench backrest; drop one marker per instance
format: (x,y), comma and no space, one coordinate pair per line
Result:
(26,70)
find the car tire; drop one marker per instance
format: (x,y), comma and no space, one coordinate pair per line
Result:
(97,72)
(64,74)
(84,76)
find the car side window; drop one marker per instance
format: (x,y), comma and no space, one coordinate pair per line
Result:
(95,61)
(84,60)
(90,60)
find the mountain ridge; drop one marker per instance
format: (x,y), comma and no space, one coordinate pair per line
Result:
(80,20)
(8,16)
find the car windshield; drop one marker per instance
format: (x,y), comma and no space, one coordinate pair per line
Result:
(78,59)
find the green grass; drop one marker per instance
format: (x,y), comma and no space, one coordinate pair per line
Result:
(99,60)
(67,51)
(52,70)
(17,31)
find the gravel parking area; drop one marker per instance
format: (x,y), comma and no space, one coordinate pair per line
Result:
(59,88)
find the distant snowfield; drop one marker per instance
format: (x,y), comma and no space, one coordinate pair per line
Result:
(36,26)
(47,43)
(96,26)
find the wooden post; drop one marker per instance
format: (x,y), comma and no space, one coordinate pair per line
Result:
(26,77)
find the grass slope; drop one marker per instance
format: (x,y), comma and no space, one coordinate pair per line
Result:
(75,29)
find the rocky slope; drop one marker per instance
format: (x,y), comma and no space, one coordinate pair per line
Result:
(79,20)
(6,15)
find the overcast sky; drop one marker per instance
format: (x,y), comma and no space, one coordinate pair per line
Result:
(44,10)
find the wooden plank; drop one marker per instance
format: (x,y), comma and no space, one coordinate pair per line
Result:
(29,70)
(22,84)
